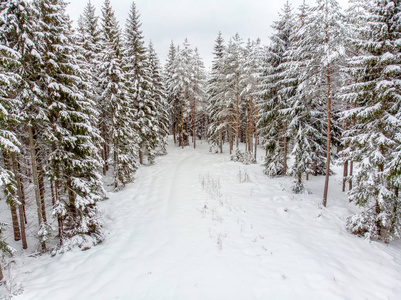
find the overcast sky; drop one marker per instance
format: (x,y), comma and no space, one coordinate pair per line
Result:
(198,20)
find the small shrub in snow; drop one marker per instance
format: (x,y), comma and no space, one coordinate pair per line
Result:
(246,158)
(298,188)
(371,226)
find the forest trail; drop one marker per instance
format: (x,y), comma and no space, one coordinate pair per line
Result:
(197,226)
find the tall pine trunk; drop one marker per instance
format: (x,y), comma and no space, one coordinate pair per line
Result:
(13,207)
(182,125)
(251,127)
(21,199)
(237,111)
(351,167)
(256,127)
(285,149)
(326,182)
(221,140)
(194,124)
(36,180)
(1,272)
(41,188)
(345,170)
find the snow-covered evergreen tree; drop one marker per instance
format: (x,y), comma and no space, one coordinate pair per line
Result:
(374,141)
(216,101)
(250,81)
(5,249)
(273,120)
(138,81)
(158,96)
(233,62)
(198,97)
(117,102)
(74,161)
(9,80)
(179,85)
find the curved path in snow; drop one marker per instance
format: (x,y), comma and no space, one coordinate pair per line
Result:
(197,226)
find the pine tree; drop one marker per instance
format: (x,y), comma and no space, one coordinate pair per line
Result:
(4,247)
(90,41)
(158,96)
(273,121)
(374,141)
(171,95)
(356,22)
(198,97)
(233,63)
(138,78)
(250,80)
(216,90)
(73,161)
(20,57)
(317,57)
(9,103)
(179,85)
(117,103)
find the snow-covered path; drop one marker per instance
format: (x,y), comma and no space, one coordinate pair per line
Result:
(197,226)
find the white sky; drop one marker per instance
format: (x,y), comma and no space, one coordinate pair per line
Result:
(198,20)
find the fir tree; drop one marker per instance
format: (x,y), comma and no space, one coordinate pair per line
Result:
(73,161)
(117,103)
(216,90)
(374,141)
(273,121)
(139,81)
(158,96)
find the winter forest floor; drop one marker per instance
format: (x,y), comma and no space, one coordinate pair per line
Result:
(197,226)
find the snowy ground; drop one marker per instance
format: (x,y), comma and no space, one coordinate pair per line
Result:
(198,226)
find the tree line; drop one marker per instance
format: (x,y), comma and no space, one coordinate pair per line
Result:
(74,105)
(326,90)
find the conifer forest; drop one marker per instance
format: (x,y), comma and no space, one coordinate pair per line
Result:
(282,160)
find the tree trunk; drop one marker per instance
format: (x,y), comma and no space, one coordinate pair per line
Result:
(116,169)
(141,156)
(326,182)
(13,207)
(175,139)
(35,179)
(21,199)
(194,124)
(351,167)
(345,174)
(182,125)
(22,193)
(221,140)
(1,272)
(105,158)
(285,149)
(251,127)
(307,174)
(230,138)
(41,189)
(256,126)
(14,216)
(345,171)
(237,111)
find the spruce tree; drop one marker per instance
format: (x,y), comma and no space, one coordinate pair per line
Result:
(374,141)
(117,102)
(139,81)
(73,161)
(216,91)
(273,121)
(157,94)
